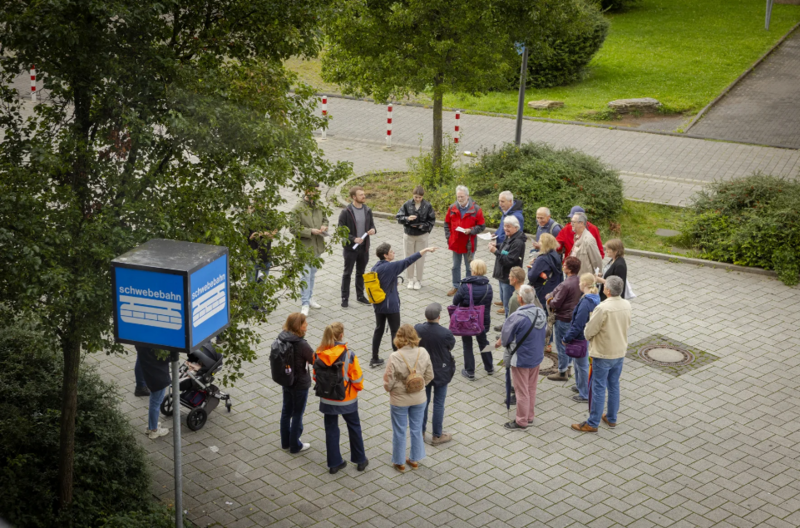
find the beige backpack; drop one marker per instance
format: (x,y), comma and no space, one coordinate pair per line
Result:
(414,382)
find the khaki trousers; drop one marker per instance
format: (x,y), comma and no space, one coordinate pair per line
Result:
(413,244)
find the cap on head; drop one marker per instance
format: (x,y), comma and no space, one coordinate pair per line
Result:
(432,311)
(576,209)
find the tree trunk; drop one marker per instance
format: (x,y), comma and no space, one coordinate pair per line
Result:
(438,96)
(71,347)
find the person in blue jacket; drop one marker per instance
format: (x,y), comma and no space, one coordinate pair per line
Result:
(389,310)
(481,294)
(580,316)
(508,207)
(545,271)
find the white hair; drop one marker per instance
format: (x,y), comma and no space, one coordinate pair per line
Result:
(544,210)
(463,189)
(528,294)
(507,195)
(614,286)
(580,217)
(511,220)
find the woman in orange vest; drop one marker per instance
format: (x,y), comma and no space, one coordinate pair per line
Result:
(335,364)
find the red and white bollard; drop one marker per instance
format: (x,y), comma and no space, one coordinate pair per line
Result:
(325,116)
(458,126)
(389,126)
(33,83)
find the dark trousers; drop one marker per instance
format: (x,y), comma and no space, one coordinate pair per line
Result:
(294,405)
(469,358)
(359,258)
(380,327)
(357,453)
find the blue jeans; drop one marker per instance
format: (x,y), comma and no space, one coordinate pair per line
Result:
(357,453)
(139,375)
(308,277)
(560,329)
(294,405)
(439,394)
(457,258)
(506,291)
(469,357)
(404,418)
(258,265)
(582,375)
(156,397)
(605,375)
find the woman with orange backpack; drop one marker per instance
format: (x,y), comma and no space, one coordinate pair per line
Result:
(339,380)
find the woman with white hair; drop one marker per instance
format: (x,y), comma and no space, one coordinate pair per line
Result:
(585,248)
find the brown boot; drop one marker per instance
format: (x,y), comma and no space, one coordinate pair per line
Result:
(452,292)
(498,303)
(584,428)
(438,440)
(501,311)
(558,376)
(414,465)
(609,423)
(400,467)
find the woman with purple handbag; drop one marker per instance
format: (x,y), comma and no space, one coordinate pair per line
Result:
(575,342)
(474,296)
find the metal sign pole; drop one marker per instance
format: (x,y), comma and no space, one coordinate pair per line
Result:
(521,106)
(176,440)
(769,14)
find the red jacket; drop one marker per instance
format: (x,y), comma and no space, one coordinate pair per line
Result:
(566,239)
(457,241)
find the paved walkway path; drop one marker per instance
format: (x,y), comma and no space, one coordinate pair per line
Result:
(717,446)
(654,167)
(764,108)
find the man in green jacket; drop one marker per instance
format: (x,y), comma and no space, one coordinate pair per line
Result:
(311,226)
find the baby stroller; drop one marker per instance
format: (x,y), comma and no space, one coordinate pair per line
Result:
(196,383)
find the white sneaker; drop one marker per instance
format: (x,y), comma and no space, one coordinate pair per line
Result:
(305,447)
(410,284)
(304,309)
(161,431)
(314,305)
(417,285)
(147,431)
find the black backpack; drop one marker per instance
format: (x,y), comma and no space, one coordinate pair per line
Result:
(330,379)
(281,361)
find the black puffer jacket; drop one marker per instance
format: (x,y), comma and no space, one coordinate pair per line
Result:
(481,294)
(426,218)
(509,254)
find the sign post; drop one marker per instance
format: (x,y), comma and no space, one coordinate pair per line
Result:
(523,71)
(173,296)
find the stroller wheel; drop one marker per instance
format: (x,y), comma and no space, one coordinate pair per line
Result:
(196,419)
(166,405)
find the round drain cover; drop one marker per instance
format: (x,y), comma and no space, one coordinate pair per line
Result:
(547,363)
(666,355)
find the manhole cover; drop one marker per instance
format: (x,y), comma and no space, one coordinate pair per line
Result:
(666,355)
(549,364)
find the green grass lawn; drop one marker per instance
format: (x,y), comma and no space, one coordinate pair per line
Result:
(681,52)
(387,191)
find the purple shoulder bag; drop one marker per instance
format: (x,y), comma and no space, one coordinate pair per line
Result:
(467,320)
(577,348)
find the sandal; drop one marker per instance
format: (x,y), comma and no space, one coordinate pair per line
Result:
(400,467)
(414,465)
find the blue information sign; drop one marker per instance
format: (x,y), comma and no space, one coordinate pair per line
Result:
(209,289)
(150,307)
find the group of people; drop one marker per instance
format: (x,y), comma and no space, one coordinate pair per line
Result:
(558,291)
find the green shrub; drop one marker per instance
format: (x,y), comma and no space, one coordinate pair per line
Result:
(572,46)
(617,5)
(110,467)
(542,176)
(751,221)
(422,171)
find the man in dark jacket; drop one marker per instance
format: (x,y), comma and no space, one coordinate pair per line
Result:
(157,378)
(389,309)
(418,218)
(562,302)
(439,342)
(508,254)
(357,218)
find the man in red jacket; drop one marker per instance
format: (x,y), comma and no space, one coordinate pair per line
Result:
(464,220)
(566,238)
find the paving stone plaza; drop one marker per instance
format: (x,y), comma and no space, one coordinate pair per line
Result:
(712,441)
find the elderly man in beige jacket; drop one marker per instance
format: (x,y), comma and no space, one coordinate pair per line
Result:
(607,332)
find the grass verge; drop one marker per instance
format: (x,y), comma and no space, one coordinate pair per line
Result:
(681,52)
(387,191)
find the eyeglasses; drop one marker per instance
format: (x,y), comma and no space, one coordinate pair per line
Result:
(574,222)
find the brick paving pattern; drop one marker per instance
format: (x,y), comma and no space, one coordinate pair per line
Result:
(717,446)
(764,108)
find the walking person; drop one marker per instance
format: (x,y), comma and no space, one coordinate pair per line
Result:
(357,218)
(566,237)
(481,295)
(406,398)
(616,268)
(310,226)
(156,378)
(561,302)
(507,254)
(545,271)
(585,247)
(439,342)
(418,218)
(607,332)
(332,352)
(296,395)
(575,336)
(389,309)
(523,336)
(462,223)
